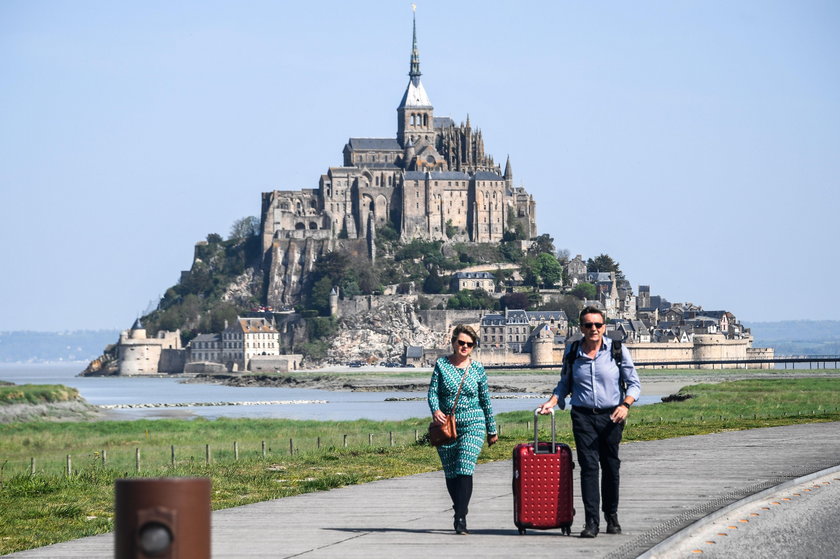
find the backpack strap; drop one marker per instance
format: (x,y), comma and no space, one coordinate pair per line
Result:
(617,357)
(568,363)
(571,355)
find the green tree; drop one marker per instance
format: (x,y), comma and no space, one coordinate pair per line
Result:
(214,238)
(542,244)
(474,299)
(604,263)
(244,228)
(515,301)
(584,290)
(319,296)
(433,283)
(542,270)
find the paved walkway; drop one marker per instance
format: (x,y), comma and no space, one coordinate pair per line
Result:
(666,485)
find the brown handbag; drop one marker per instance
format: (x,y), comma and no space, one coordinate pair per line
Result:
(446,433)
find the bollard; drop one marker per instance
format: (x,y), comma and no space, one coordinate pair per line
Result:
(162,518)
(263,449)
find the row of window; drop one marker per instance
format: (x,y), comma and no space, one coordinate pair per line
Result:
(419,119)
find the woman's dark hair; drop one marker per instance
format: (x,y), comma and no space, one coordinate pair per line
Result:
(464,329)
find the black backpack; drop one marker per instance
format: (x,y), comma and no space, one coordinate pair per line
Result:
(571,355)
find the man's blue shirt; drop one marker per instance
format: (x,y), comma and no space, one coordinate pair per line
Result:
(595,382)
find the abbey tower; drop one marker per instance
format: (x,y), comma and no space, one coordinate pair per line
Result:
(432,181)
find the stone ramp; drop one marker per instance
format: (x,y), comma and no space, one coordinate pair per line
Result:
(666,485)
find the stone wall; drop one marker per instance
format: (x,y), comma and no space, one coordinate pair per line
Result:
(172,361)
(713,347)
(274,363)
(204,367)
(761,353)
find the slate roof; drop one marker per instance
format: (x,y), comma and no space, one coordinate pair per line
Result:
(415,96)
(517,317)
(547,315)
(443,122)
(488,176)
(474,275)
(206,338)
(437,175)
(374,144)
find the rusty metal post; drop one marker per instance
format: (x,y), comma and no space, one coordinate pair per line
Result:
(162,518)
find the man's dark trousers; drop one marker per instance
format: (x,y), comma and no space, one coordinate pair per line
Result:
(597,439)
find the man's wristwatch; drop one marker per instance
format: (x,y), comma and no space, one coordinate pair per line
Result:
(625,404)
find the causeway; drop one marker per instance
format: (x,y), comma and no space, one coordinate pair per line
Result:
(667,486)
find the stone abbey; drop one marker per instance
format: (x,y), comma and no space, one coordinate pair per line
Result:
(433,181)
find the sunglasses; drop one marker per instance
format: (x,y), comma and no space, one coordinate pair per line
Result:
(591,324)
(463,343)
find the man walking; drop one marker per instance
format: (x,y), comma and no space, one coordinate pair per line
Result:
(603,384)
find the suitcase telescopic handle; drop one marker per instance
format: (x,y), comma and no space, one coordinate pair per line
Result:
(537,430)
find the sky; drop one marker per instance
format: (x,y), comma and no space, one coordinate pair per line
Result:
(696,142)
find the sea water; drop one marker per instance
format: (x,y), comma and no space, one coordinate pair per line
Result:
(299,403)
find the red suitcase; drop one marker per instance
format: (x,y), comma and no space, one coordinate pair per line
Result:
(542,483)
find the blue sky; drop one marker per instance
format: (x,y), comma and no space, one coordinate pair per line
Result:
(694,142)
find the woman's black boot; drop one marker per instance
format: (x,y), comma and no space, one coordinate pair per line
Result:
(463,493)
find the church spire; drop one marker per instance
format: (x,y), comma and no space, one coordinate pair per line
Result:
(414,71)
(415,114)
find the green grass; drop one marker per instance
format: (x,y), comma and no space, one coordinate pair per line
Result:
(49,506)
(36,394)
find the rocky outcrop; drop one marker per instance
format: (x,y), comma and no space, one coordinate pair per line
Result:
(382,333)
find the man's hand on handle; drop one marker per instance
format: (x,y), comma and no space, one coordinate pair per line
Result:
(548,405)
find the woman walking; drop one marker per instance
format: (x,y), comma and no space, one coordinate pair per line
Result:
(473,417)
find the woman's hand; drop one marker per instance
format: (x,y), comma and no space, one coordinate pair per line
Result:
(492,439)
(439,417)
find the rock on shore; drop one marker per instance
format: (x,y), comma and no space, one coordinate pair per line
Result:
(77,410)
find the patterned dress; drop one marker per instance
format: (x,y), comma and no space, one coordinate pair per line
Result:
(473,418)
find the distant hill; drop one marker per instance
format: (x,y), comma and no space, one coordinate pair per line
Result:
(798,337)
(36,347)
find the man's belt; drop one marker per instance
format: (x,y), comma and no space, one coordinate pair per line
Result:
(593,411)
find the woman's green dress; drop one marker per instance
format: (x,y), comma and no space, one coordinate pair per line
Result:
(473,418)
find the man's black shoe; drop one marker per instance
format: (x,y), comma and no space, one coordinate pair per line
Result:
(589,531)
(461,525)
(613,527)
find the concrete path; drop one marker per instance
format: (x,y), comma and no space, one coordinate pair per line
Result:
(666,486)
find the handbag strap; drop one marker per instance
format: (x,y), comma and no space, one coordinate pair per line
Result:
(460,386)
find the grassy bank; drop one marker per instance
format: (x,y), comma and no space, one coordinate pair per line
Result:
(50,506)
(37,394)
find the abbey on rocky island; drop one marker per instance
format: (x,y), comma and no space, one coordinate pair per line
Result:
(433,181)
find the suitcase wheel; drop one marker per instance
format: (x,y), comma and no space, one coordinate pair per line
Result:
(566,530)
(522,531)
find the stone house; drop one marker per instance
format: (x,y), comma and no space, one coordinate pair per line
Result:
(576,270)
(247,338)
(205,347)
(513,329)
(474,280)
